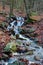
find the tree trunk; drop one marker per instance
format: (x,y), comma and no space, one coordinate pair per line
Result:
(11,7)
(29,4)
(26,8)
(3,3)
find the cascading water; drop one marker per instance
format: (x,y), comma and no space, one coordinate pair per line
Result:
(38,50)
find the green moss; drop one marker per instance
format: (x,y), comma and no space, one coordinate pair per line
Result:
(30,20)
(34,14)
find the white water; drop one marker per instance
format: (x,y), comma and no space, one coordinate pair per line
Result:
(38,51)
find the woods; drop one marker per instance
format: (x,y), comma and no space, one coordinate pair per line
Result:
(21,32)
(29,6)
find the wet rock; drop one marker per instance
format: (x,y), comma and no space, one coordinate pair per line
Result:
(37,47)
(35,64)
(36,40)
(37,58)
(27,44)
(30,52)
(33,34)
(25,61)
(5,57)
(42,61)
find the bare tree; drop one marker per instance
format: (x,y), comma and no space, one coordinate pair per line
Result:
(3,4)
(28,6)
(11,7)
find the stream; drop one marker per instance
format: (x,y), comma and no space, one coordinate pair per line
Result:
(37,50)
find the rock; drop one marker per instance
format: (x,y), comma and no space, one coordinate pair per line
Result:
(32,29)
(5,57)
(37,58)
(33,34)
(42,61)
(17,36)
(29,53)
(35,64)
(36,40)
(28,30)
(13,37)
(24,61)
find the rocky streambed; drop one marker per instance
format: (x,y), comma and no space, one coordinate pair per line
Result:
(34,53)
(22,51)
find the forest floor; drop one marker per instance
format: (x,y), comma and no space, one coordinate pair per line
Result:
(39,30)
(38,25)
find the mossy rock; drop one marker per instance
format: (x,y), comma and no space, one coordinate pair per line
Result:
(34,13)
